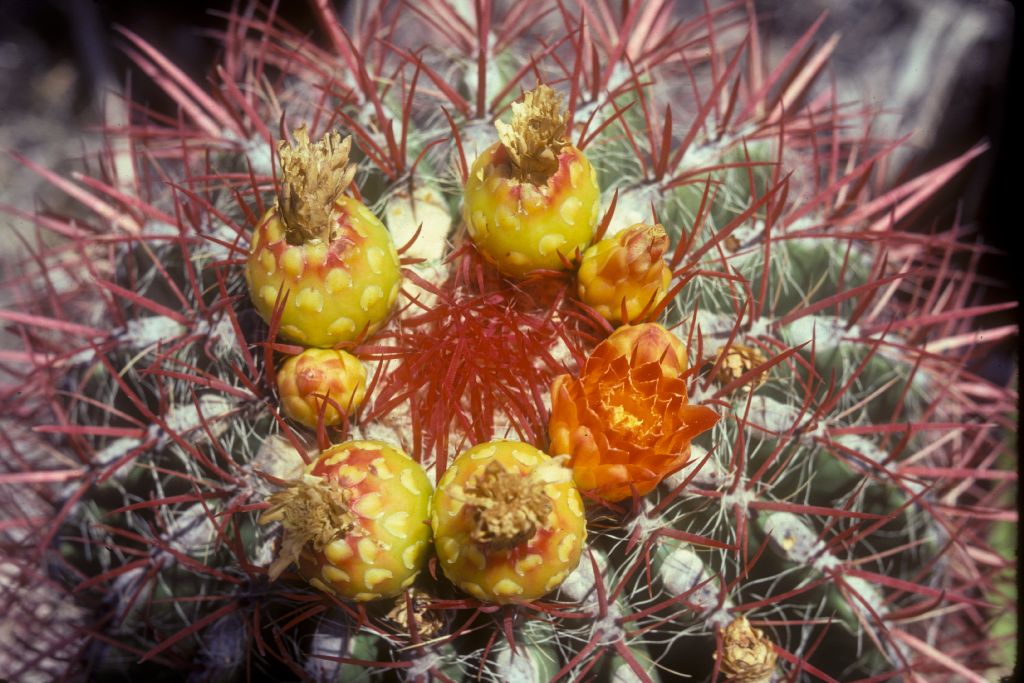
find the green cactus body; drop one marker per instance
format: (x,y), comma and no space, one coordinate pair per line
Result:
(843,508)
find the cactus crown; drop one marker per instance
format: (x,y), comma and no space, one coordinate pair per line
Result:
(508,509)
(311,510)
(314,175)
(536,134)
(842,494)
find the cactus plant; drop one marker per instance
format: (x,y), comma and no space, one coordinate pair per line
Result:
(836,519)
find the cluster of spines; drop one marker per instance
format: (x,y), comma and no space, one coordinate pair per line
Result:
(176,383)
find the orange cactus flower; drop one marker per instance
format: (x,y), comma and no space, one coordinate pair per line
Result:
(626,421)
(647,343)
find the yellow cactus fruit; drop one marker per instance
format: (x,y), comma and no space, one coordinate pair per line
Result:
(627,269)
(508,522)
(315,378)
(532,199)
(332,257)
(355,524)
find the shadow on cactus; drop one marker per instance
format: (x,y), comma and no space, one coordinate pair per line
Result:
(801,483)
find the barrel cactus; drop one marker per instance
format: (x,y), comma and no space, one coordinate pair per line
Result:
(827,514)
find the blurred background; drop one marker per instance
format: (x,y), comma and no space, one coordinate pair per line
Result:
(939,68)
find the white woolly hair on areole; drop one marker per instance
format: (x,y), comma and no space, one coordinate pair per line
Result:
(847,501)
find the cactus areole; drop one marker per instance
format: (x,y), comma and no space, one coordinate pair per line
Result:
(355,523)
(770,405)
(321,256)
(508,522)
(532,200)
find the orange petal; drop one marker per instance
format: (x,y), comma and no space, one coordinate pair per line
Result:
(696,420)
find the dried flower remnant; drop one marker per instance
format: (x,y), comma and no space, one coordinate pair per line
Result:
(321,381)
(332,258)
(626,272)
(356,522)
(507,509)
(313,178)
(531,201)
(312,511)
(508,522)
(748,656)
(428,622)
(738,360)
(536,135)
(626,421)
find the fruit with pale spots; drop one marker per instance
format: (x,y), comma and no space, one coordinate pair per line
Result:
(321,380)
(357,523)
(327,253)
(532,200)
(520,227)
(337,289)
(508,522)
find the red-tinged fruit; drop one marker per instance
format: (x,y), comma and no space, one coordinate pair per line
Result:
(357,523)
(316,380)
(332,257)
(532,200)
(626,272)
(508,522)
(626,421)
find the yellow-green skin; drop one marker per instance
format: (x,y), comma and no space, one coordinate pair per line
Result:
(606,296)
(520,227)
(336,290)
(389,543)
(522,573)
(305,378)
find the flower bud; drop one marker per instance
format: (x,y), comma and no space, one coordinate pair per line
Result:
(626,270)
(333,379)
